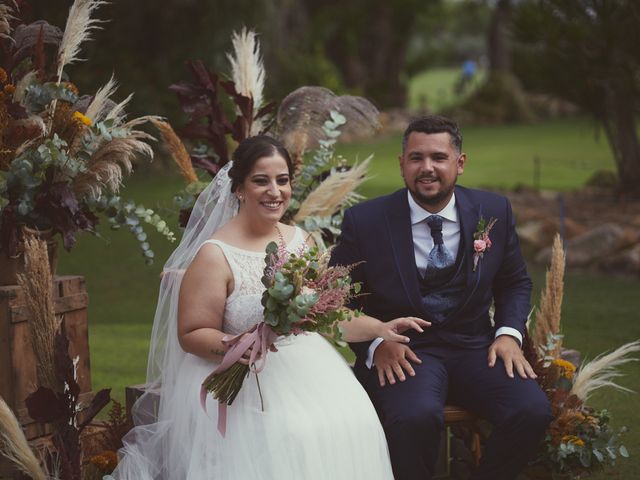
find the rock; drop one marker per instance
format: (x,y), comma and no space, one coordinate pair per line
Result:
(626,261)
(396,119)
(591,247)
(539,233)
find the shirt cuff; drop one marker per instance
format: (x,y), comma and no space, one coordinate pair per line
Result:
(372,349)
(512,332)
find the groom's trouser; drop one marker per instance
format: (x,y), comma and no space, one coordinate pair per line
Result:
(412,412)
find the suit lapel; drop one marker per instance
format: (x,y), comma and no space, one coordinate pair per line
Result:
(401,239)
(469,215)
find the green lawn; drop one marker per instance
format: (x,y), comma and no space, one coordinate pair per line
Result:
(434,89)
(599,314)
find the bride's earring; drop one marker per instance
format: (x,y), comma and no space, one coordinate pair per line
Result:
(241,198)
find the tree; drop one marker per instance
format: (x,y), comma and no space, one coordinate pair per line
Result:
(501,98)
(586,51)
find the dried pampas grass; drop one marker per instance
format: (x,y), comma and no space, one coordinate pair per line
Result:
(37,285)
(247,70)
(5,20)
(78,29)
(98,107)
(113,157)
(21,86)
(106,166)
(177,150)
(117,112)
(14,445)
(601,371)
(336,191)
(547,319)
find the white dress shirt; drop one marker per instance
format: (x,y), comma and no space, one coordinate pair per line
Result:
(423,243)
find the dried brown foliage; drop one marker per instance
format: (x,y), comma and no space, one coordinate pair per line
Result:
(177,150)
(548,315)
(37,285)
(118,424)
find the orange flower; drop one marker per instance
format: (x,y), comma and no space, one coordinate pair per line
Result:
(82,119)
(3,75)
(106,462)
(72,87)
(9,89)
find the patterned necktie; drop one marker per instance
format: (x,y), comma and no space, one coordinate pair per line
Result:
(440,263)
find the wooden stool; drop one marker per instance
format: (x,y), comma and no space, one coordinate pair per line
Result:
(458,416)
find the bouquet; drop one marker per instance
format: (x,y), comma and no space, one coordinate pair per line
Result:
(302,294)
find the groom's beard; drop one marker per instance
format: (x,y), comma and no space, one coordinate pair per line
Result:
(433,200)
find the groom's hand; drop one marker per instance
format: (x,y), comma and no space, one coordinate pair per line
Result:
(392,360)
(508,349)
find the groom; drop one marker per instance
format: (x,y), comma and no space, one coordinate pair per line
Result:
(432,250)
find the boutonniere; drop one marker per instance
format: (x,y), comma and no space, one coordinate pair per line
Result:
(481,240)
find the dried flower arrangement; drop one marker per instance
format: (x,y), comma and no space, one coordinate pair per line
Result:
(580,438)
(63,155)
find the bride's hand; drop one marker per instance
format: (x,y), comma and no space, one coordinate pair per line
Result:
(244,360)
(391,330)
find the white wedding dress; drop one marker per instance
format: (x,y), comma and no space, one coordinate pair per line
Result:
(317,423)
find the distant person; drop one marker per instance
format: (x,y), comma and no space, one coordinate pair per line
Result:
(467,74)
(432,251)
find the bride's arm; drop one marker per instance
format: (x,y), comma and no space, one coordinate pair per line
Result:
(363,328)
(203,294)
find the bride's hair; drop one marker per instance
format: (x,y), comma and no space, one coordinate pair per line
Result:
(250,151)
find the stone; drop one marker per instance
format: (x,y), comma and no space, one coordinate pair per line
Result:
(539,233)
(625,262)
(591,247)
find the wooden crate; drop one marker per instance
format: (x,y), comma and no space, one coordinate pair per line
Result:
(17,360)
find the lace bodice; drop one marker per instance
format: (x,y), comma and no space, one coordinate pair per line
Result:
(243,308)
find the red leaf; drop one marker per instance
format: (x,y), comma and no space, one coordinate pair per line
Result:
(45,406)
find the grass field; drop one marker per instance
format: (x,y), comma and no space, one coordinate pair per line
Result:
(599,314)
(434,89)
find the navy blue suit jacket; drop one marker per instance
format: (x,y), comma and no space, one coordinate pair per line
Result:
(378,234)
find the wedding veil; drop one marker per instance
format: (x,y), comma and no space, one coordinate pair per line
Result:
(214,207)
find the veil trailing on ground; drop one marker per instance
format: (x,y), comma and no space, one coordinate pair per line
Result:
(215,206)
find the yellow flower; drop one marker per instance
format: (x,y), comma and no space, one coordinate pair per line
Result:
(573,439)
(82,119)
(3,75)
(567,368)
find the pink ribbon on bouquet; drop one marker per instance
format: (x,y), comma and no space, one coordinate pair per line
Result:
(259,339)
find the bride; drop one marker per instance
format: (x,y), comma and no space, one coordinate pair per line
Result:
(317,422)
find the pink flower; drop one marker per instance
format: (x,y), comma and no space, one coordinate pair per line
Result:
(479,246)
